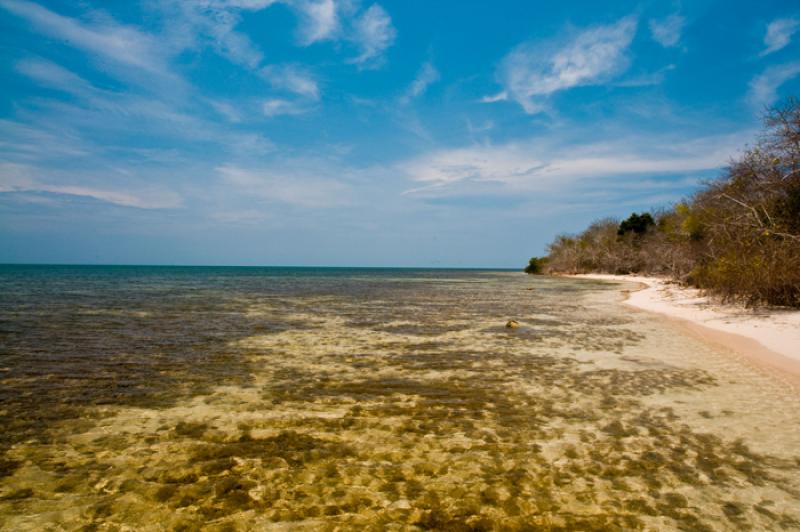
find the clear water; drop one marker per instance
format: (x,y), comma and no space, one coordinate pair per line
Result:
(153,398)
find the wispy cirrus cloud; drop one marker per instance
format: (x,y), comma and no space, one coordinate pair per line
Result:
(319,20)
(779,34)
(667,31)
(20,178)
(55,76)
(373,34)
(292,78)
(293,185)
(647,79)
(535,70)
(763,89)
(273,107)
(426,76)
(124,46)
(370,31)
(93,106)
(213,23)
(538,164)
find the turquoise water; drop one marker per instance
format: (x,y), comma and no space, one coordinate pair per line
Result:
(237,398)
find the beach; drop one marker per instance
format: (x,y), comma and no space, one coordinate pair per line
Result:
(768,337)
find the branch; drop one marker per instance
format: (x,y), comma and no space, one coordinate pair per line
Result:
(746,206)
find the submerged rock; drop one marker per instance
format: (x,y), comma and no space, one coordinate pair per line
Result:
(512,324)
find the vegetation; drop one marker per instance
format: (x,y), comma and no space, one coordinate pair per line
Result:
(536,265)
(638,224)
(738,237)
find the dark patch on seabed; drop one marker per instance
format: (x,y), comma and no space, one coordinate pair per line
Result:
(232,399)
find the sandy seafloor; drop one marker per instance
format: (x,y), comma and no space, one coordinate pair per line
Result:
(383,401)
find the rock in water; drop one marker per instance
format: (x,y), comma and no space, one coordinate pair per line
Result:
(512,324)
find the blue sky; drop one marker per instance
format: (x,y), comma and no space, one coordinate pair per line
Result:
(342,132)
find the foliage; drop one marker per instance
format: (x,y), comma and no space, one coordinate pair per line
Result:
(536,265)
(738,237)
(636,223)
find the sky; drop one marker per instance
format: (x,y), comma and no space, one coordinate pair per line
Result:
(357,133)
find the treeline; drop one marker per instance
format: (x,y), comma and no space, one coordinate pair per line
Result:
(738,237)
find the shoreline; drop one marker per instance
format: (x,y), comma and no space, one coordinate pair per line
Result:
(766,338)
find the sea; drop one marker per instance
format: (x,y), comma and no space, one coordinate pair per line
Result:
(238,398)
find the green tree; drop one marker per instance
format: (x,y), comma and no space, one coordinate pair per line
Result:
(535,265)
(636,223)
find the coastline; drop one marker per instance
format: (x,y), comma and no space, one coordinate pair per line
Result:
(767,338)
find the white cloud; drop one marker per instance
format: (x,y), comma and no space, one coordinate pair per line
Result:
(372,34)
(426,76)
(319,20)
(150,201)
(278,106)
(213,22)
(52,75)
(292,78)
(103,37)
(188,25)
(540,165)
(501,96)
(779,34)
(764,87)
(667,31)
(488,125)
(18,178)
(131,111)
(27,142)
(292,187)
(533,71)
(227,110)
(644,80)
(370,30)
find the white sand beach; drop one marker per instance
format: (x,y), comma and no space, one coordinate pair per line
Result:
(768,337)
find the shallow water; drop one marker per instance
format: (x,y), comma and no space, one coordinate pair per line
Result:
(239,398)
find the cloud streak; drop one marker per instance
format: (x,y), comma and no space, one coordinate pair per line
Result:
(667,31)
(534,71)
(779,34)
(426,76)
(539,165)
(288,186)
(763,89)
(18,178)
(213,23)
(373,34)
(123,45)
(319,20)
(294,79)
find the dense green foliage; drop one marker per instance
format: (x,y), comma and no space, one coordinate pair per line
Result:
(738,237)
(636,223)
(536,265)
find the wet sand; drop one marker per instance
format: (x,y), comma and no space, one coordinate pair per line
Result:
(766,338)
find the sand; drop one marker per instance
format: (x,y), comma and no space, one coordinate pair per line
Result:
(769,338)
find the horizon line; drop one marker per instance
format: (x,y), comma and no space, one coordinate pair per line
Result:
(296,266)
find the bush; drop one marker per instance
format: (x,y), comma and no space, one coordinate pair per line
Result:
(535,265)
(636,223)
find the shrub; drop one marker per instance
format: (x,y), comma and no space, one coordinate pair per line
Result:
(535,265)
(636,223)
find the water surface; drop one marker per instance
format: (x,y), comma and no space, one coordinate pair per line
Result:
(237,398)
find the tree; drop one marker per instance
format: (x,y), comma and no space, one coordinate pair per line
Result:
(535,265)
(636,223)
